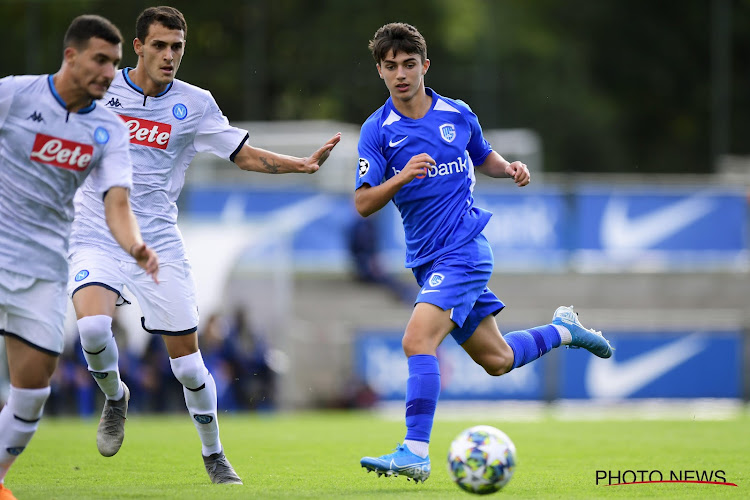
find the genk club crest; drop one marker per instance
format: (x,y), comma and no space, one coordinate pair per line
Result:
(448,132)
(435,279)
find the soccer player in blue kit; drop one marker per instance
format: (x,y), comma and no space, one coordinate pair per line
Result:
(420,150)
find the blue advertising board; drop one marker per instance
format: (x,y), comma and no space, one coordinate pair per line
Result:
(380,362)
(657,364)
(661,228)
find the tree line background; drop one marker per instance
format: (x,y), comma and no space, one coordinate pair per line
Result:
(611,86)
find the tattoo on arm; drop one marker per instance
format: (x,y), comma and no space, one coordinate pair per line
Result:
(272,167)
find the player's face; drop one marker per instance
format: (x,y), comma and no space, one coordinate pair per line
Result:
(161,53)
(403,74)
(93,68)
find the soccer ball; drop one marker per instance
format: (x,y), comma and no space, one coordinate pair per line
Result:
(481,460)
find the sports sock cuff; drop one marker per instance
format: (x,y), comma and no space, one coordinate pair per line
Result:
(28,404)
(565,337)
(190,370)
(423,364)
(95,332)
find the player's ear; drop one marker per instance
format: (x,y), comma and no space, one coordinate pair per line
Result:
(425,66)
(69,54)
(379,72)
(138,47)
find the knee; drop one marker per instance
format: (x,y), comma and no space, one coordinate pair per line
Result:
(415,344)
(498,364)
(189,370)
(95,332)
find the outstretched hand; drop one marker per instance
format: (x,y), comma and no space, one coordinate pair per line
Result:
(146,259)
(313,162)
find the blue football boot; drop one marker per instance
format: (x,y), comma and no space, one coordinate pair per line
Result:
(401,462)
(589,339)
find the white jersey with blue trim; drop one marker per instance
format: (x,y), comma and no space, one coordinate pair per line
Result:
(165,131)
(438,210)
(46,153)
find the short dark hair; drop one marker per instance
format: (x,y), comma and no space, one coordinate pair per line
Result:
(397,37)
(169,17)
(83,28)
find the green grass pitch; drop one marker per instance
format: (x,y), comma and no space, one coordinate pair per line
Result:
(316,455)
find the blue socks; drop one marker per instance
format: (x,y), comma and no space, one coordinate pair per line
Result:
(531,344)
(422,391)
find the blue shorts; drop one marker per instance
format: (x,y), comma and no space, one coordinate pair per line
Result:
(457,281)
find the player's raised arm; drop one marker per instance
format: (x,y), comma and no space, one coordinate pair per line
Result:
(497,166)
(268,162)
(124,227)
(369,199)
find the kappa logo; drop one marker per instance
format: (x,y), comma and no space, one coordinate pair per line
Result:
(35,116)
(203,419)
(448,132)
(436,279)
(364,166)
(99,375)
(114,103)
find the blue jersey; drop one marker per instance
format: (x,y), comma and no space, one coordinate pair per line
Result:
(438,210)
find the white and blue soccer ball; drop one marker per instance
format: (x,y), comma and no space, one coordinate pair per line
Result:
(482,459)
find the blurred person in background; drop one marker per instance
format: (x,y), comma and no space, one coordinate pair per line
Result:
(420,150)
(169,121)
(53,136)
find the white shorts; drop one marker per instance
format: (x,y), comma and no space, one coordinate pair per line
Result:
(169,308)
(33,310)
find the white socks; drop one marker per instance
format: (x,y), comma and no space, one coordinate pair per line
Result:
(100,351)
(200,397)
(18,423)
(419,448)
(565,337)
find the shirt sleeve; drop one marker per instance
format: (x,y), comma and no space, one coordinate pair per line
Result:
(372,165)
(477,147)
(6,97)
(115,168)
(215,135)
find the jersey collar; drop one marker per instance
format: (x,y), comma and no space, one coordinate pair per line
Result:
(135,87)
(51,83)
(428,91)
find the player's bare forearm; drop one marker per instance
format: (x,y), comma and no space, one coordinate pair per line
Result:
(268,162)
(124,228)
(120,218)
(497,166)
(369,199)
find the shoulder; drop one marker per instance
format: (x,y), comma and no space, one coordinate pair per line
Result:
(19,83)
(375,121)
(449,105)
(180,87)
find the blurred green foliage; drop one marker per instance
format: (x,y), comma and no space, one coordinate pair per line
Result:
(617,85)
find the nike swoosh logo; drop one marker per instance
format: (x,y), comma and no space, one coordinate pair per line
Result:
(619,232)
(394,144)
(607,379)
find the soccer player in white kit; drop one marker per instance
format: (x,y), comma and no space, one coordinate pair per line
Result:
(168,121)
(53,136)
